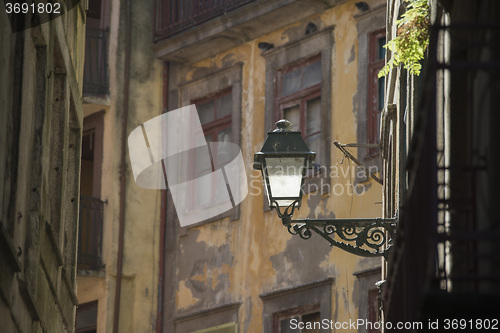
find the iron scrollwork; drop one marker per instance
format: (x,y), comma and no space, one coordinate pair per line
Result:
(363,237)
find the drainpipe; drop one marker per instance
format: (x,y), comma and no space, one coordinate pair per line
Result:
(123,168)
(163,222)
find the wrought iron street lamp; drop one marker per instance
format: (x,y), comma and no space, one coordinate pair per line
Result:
(283,160)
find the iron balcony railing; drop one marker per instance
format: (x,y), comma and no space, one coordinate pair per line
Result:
(90,233)
(173,16)
(95,76)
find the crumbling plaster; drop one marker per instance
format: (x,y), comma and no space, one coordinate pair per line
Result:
(237,261)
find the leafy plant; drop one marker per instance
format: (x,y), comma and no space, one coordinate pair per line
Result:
(412,38)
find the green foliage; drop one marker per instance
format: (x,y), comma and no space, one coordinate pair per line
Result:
(412,38)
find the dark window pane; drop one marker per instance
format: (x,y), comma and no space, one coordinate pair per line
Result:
(373,309)
(313,116)
(380,97)
(285,325)
(381,48)
(314,144)
(291,82)
(86,317)
(88,139)
(314,320)
(224,105)
(206,112)
(311,75)
(94,10)
(292,114)
(313,126)
(300,99)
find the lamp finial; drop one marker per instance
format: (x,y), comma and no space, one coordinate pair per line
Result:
(283,125)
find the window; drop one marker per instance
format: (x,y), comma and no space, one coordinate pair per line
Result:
(309,303)
(371,27)
(373,311)
(288,320)
(298,87)
(217,97)
(215,113)
(368,297)
(86,318)
(376,87)
(91,205)
(299,100)
(215,117)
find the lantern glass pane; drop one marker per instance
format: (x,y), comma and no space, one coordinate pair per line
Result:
(285,178)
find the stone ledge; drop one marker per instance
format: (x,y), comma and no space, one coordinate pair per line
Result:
(237,27)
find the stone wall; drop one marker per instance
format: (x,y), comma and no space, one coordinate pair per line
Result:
(40,134)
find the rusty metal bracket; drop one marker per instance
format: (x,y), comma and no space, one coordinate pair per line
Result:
(341,147)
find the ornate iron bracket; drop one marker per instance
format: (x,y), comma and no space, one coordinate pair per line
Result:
(369,237)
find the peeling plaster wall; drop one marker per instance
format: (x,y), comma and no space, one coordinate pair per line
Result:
(227,262)
(139,289)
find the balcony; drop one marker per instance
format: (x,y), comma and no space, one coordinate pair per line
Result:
(95,74)
(90,233)
(175,16)
(192,30)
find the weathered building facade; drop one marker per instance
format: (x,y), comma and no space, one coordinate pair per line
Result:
(441,172)
(41,69)
(247,64)
(119,222)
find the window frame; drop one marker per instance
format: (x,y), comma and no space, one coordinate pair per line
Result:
(300,97)
(92,123)
(373,309)
(218,124)
(369,21)
(366,282)
(319,44)
(95,122)
(293,312)
(213,128)
(210,84)
(375,64)
(83,307)
(318,293)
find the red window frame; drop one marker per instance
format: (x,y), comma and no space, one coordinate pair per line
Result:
(375,64)
(218,124)
(213,128)
(298,97)
(373,310)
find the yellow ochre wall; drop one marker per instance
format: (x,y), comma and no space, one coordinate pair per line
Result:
(258,237)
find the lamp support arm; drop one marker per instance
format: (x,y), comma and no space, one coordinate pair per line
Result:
(355,160)
(367,237)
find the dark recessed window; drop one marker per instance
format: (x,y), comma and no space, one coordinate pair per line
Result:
(299,100)
(86,318)
(376,87)
(289,321)
(373,311)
